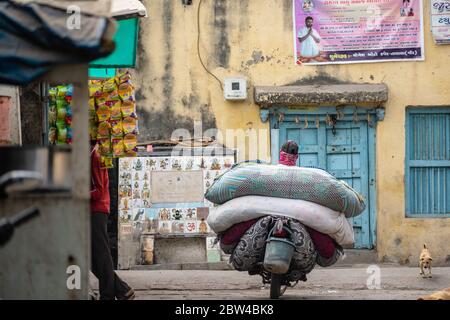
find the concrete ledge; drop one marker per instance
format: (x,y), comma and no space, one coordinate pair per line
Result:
(321,95)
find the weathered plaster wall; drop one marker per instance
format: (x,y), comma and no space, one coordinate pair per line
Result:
(254,39)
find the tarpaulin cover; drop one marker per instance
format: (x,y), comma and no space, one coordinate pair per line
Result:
(35,37)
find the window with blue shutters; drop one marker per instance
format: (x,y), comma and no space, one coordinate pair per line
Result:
(427,170)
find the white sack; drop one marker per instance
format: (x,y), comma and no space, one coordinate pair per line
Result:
(308,213)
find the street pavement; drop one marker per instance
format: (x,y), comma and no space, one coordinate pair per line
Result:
(357,282)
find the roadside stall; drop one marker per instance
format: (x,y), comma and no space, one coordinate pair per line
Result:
(49,182)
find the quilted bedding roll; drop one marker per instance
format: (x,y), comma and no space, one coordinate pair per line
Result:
(309,184)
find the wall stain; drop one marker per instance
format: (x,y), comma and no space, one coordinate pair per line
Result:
(167,78)
(287,12)
(222,46)
(160,124)
(321,78)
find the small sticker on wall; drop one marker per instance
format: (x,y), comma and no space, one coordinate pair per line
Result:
(164,214)
(164,227)
(138,214)
(203,226)
(190,226)
(177,214)
(190,213)
(177,226)
(126,229)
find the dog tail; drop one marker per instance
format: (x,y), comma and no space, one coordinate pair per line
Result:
(424,246)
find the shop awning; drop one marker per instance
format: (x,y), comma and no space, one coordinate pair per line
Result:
(34,37)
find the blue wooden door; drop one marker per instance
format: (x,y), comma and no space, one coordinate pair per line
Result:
(343,152)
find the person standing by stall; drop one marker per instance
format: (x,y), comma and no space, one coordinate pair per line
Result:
(111,286)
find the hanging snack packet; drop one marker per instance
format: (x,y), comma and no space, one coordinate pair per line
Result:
(124,77)
(69,135)
(52,92)
(103,112)
(52,115)
(52,135)
(69,93)
(101,98)
(116,128)
(62,91)
(106,162)
(113,95)
(104,130)
(105,146)
(129,125)
(126,90)
(128,108)
(130,142)
(61,132)
(115,109)
(131,153)
(109,85)
(61,110)
(69,115)
(95,88)
(118,147)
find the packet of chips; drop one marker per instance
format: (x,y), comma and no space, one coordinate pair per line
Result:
(103,112)
(69,92)
(125,76)
(52,92)
(52,136)
(115,109)
(129,125)
(113,95)
(61,132)
(52,115)
(109,85)
(69,115)
(106,162)
(128,108)
(61,110)
(101,99)
(62,91)
(126,90)
(130,142)
(116,128)
(69,135)
(118,147)
(104,130)
(95,88)
(105,146)
(131,153)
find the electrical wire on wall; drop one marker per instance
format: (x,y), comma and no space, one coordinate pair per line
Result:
(198,46)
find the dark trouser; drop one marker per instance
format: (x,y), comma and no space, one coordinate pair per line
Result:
(111,286)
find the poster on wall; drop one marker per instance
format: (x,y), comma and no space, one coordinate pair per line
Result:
(440,21)
(356,31)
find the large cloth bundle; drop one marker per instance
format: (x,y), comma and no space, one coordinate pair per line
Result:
(308,213)
(251,248)
(309,184)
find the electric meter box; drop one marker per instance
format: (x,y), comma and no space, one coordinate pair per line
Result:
(235,89)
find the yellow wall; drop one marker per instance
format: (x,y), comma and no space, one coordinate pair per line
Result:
(172,85)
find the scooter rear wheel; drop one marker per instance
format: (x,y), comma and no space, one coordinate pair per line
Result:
(275,286)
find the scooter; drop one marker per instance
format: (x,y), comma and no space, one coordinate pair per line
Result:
(277,259)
